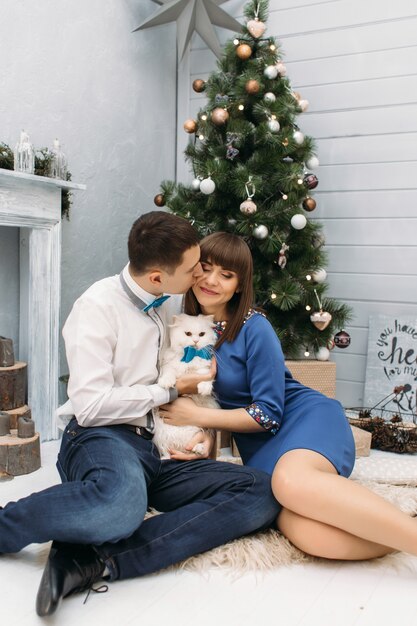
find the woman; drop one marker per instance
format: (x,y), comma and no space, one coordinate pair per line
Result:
(296,434)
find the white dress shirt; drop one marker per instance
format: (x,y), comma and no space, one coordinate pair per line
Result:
(113,351)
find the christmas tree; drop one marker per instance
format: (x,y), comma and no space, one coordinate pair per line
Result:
(252,176)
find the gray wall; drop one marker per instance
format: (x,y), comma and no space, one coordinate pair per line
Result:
(74,70)
(355,63)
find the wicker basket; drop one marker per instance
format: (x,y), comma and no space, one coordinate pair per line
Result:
(389,431)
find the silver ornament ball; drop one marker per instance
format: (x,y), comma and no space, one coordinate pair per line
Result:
(260,232)
(195,184)
(269,97)
(274,126)
(271,72)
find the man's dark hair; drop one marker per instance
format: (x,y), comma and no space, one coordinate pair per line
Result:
(159,240)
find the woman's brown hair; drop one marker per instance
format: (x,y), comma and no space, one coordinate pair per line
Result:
(232,253)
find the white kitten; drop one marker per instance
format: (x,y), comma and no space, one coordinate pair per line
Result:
(192,338)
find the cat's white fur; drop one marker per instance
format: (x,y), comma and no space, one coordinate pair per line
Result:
(186,330)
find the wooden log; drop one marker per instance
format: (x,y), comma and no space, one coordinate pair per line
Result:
(20,411)
(6,352)
(19,456)
(13,386)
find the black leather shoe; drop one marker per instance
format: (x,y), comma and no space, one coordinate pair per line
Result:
(70,568)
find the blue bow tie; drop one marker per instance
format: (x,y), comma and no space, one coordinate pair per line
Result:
(156,303)
(190,352)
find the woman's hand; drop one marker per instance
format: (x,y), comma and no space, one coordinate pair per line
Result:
(205,437)
(180,412)
(187,384)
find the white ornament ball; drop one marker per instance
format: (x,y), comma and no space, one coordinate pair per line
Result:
(303,104)
(281,69)
(322,354)
(271,72)
(274,126)
(319,276)
(260,232)
(207,186)
(298,137)
(195,184)
(269,97)
(312,162)
(298,221)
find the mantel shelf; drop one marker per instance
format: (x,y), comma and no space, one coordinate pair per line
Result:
(57,182)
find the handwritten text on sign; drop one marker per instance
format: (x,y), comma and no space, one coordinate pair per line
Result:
(392,361)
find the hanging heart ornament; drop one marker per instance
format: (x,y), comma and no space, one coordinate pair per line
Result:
(256,28)
(321,319)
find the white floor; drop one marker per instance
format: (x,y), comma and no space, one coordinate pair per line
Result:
(383,593)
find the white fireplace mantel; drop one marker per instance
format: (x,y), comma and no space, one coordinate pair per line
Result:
(33,203)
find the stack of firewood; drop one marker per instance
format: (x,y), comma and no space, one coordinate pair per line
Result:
(19,443)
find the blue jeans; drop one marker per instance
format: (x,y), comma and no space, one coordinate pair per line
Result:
(111,476)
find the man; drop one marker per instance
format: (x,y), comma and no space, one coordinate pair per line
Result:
(111,471)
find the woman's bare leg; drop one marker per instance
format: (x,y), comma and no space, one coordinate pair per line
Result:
(306,483)
(326,541)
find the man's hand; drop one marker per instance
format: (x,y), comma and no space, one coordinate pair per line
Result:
(180,412)
(204,439)
(187,384)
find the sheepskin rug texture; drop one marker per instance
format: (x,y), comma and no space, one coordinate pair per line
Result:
(268,549)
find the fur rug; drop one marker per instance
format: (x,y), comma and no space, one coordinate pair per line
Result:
(269,549)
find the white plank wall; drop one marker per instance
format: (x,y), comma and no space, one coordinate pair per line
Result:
(356,63)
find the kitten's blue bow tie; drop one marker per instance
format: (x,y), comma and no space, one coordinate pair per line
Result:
(156,303)
(190,352)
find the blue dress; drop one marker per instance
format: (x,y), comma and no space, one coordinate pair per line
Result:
(251,374)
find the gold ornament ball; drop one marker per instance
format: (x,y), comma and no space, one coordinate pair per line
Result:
(309,204)
(219,116)
(159,199)
(252,86)
(190,126)
(199,85)
(244,51)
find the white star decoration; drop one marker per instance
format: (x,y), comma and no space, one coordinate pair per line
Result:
(193,15)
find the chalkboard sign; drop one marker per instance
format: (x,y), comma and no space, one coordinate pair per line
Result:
(392,362)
